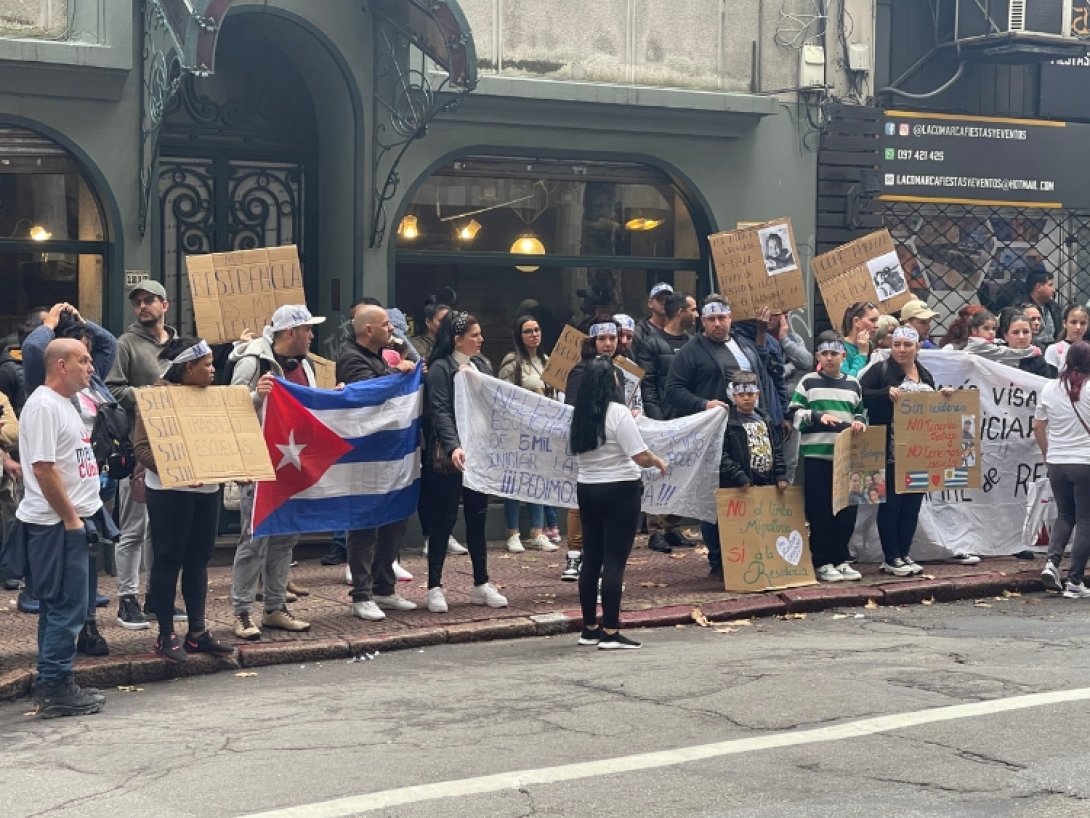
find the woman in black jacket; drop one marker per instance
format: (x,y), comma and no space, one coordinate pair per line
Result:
(457,345)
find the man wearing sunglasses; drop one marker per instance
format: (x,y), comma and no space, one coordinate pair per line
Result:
(137,365)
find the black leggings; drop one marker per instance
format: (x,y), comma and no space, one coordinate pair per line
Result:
(446,489)
(897,519)
(183,535)
(611,514)
(829,533)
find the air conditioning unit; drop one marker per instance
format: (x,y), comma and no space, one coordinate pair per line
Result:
(1015,31)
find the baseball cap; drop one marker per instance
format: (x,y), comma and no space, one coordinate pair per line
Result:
(661,287)
(150,287)
(291,316)
(916,309)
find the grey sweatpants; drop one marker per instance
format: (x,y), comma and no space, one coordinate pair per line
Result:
(134,544)
(257,558)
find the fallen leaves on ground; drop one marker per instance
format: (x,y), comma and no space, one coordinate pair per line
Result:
(840,616)
(929,601)
(130,689)
(792,616)
(980,603)
(654,585)
(699,618)
(1007,595)
(676,556)
(245,674)
(871,603)
(739,623)
(726,630)
(701,550)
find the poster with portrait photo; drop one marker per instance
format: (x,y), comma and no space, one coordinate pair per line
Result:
(888,276)
(776,249)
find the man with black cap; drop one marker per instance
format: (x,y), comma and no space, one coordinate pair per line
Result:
(137,365)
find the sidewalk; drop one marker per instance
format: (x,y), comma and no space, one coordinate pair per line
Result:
(660,590)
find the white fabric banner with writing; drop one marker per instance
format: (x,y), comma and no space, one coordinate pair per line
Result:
(986,521)
(516,445)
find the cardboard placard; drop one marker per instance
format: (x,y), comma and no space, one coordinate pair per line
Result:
(859,468)
(565,355)
(207,435)
(325,371)
(866,269)
(633,376)
(233,292)
(759,267)
(762,532)
(937,441)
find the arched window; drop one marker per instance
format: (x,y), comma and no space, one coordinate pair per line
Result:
(53,241)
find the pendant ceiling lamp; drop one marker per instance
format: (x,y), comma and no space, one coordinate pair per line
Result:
(527,245)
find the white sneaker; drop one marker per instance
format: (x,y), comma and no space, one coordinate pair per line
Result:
(829,573)
(487,595)
(899,568)
(849,573)
(455,547)
(1076,590)
(394,602)
(542,543)
(425,546)
(401,574)
(368,610)
(915,566)
(514,544)
(347,574)
(1050,576)
(437,603)
(964,558)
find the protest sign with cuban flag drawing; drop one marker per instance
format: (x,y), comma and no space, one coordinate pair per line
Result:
(344,460)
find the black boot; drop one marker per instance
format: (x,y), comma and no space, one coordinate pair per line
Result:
(64,697)
(658,543)
(90,641)
(677,539)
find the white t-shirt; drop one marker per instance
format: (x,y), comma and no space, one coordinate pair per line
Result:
(612,461)
(51,431)
(1068,441)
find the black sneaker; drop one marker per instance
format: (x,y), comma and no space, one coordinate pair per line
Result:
(206,643)
(170,648)
(65,698)
(90,641)
(129,615)
(658,543)
(617,641)
(716,571)
(591,636)
(677,539)
(335,557)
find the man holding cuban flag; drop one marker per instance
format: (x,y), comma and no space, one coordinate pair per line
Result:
(349,460)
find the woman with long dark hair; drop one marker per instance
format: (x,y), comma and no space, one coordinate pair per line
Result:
(1061,426)
(458,344)
(183,521)
(1016,330)
(609,453)
(524,367)
(858,325)
(434,313)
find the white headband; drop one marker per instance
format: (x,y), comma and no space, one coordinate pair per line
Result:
(831,346)
(906,332)
(715,308)
(625,322)
(745,388)
(198,350)
(602,329)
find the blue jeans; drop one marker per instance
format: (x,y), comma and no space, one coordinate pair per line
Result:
(550,516)
(60,619)
(709,532)
(511,514)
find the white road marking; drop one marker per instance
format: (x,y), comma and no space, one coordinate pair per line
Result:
(514,780)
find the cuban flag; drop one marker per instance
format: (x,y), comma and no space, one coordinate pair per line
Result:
(345,459)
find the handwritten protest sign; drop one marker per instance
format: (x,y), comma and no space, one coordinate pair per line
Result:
(937,441)
(565,355)
(859,468)
(204,435)
(758,267)
(633,375)
(866,269)
(233,292)
(325,371)
(516,445)
(762,532)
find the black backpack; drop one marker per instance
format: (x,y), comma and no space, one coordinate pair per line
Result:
(110,441)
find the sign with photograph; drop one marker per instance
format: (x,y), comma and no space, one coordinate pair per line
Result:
(762,532)
(937,441)
(633,375)
(234,292)
(758,267)
(859,468)
(866,269)
(207,435)
(562,360)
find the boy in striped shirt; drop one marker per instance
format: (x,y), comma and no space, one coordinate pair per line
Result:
(826,403)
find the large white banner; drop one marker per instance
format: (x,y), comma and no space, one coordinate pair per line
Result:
(516,445)
(986,521)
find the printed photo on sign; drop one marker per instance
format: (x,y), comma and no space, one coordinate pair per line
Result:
(866,489)
(968,441)
(776,248)
(887,275)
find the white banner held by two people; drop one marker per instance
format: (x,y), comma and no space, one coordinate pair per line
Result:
(516,445)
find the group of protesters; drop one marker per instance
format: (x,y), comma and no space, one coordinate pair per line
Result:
(785,406)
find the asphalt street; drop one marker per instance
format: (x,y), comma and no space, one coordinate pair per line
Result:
(942,710)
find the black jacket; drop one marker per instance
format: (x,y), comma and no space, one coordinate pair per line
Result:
(441,425)
(12,383)
(654,353)
(357,363)
(1038,366)
(876,383)
(734,464)
(575,380)
(697,377)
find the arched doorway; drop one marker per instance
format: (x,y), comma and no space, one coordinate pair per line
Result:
(238,160)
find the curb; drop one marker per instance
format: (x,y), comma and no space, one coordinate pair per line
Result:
(142,668)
